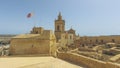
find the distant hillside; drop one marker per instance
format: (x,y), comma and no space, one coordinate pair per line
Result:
(7,35)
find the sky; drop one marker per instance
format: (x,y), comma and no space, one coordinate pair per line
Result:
(87,17)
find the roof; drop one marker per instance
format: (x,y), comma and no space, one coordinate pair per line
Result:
(26,35)
(71,29)
(47,34)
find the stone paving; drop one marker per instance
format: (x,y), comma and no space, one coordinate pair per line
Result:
(35,62)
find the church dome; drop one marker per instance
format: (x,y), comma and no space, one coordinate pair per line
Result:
(71,30)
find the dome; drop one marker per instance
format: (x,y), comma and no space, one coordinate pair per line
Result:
(71,29)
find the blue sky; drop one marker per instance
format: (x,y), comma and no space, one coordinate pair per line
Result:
(87,17)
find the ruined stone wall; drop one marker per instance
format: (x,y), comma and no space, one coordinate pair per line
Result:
(89,62)
(29,46)
(100,39)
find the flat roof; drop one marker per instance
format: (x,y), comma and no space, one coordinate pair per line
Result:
(26,35)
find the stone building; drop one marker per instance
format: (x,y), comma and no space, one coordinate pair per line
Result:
(66,39)
(87,40)
(63,37)
(72,31)
(40,41)
(59,27)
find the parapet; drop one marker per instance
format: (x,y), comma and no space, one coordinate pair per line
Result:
(37,30)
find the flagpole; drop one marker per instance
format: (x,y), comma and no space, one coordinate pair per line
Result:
(31,15)
(34,23)
(34,20)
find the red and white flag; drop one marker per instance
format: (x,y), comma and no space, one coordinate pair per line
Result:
(29,15)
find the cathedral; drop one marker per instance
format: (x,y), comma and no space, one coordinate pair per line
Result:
(63,37)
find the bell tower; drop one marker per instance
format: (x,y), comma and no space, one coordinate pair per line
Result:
(59,27)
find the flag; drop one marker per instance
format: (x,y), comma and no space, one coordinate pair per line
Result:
(29,15)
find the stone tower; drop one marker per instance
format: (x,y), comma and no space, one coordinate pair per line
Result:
(59,27)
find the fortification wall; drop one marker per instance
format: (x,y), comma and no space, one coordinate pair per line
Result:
(100,39)
(89,62)
(29,46)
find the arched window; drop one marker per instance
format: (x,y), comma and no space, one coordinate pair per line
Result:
(83,45)
(96,41)
(58,27)
(36,32)
(90,40)
(102,41)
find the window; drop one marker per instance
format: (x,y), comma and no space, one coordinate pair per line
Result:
(113,40)
(58,27)
(96,41)
(101,41)
(90,40)
(83,45)
(70,37)
(36,32)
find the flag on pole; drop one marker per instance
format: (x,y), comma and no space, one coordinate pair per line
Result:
(29,15)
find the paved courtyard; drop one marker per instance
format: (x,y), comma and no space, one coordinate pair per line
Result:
(35,62)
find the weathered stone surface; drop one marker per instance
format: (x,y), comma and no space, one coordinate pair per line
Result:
(91,63)
(35,62)
(43,42)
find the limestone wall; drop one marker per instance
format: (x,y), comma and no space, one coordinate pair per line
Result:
(89,62)
(100,39)
(29,46)
(53,47)
(112,65)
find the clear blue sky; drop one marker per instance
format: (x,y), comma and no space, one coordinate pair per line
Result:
(87,17)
